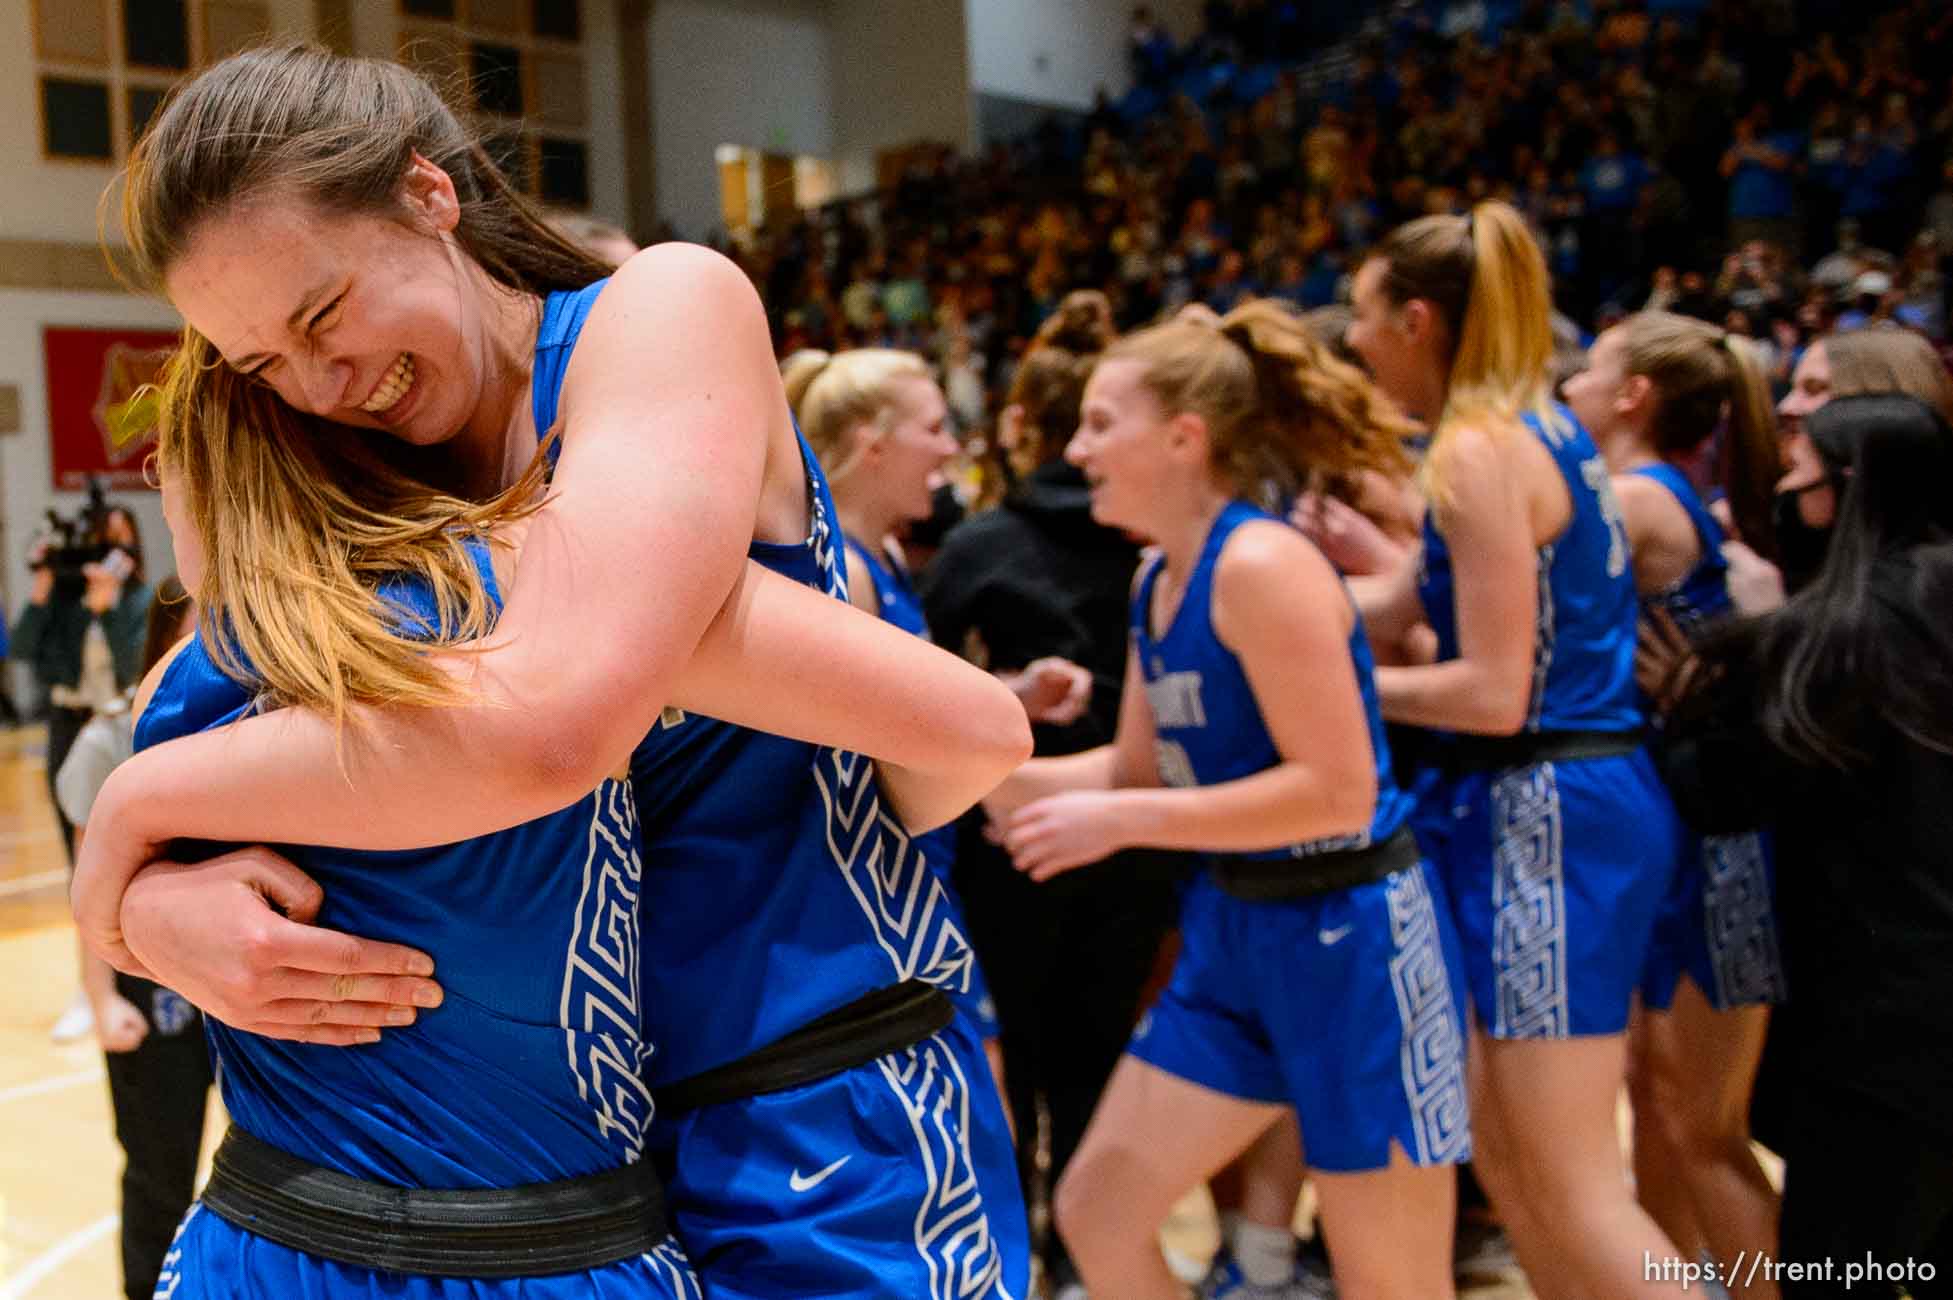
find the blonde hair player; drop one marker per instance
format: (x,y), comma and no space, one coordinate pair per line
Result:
(1548,822)
(1249,733)
(352,255)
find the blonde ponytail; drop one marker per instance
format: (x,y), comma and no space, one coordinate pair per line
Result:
(833,395)
(1487,279)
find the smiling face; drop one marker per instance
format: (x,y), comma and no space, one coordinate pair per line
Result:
(1804,470)
(1595,393)
(915,448)
(360,319)
(1395,344)
(1123,447)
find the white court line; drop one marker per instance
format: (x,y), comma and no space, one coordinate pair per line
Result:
(28,884)
(39,1270)
(54,1084)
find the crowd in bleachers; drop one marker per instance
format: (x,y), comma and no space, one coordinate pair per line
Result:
(1760,163)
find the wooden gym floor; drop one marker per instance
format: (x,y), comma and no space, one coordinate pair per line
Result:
(59,1163)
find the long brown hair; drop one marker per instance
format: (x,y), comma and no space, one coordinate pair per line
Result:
(1049,382)
(1280,410)
(1486,277)
(1701,374)
(339,132)
(301,522)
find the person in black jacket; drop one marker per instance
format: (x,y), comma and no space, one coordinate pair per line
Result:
(1030,579)
(1831,721)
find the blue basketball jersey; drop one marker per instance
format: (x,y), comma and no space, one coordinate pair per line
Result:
(777,886)
(1702,596)
(1209,726)
(901,607)
(895,595)
(1583,657)
(530,1071)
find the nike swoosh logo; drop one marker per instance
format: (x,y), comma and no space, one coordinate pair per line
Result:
(1334,936)
(800,1184)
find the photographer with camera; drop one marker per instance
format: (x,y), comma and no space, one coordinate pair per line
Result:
(81,632)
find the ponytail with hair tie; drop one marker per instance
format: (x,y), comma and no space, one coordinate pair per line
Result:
(1485,276)
(1276,402)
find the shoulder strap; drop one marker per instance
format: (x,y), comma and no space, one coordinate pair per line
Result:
(1707,531)
(562,322)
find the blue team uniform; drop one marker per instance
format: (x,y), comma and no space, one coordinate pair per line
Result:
(1346,1004)
(528,1073)
(1556,869)
(1718,924)
(899,605)
(777,888)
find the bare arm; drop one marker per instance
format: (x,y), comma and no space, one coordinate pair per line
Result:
(668,407)
(1128,762)
(1388,601)
(1279,607)
(1489,525)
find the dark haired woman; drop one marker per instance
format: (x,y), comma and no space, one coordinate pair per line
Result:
(336,234)
(1832,722)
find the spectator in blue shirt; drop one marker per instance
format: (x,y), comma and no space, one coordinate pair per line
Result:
(1612,180)
(1760,165)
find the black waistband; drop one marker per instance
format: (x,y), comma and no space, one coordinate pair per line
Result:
(500,1232)
(1488,753)
(871,1026)
(1267,880)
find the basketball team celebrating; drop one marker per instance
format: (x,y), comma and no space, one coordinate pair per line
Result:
(604,949)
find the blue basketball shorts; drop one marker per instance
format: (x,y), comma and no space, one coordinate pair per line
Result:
(1556,873)
(1718,925)
(214,1259)
(896,1178)
(1347,1006)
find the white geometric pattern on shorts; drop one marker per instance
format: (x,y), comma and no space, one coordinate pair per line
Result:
(1433,1051)
(952,1225)
(1528,905)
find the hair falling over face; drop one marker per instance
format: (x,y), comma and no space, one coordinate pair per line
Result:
(302,522)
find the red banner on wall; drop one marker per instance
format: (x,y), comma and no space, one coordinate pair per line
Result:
(97,422)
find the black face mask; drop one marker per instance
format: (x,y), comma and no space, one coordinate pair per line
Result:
(1800,546)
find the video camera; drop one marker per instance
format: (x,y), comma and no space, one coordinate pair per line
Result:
(69,544)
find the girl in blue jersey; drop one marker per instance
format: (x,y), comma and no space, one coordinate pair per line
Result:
(493,1147)
(1318,970)
(1656,389)
(337,234)
(1548,822)
(878,422)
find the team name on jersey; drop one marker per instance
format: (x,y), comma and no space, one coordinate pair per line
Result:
(1175,698)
